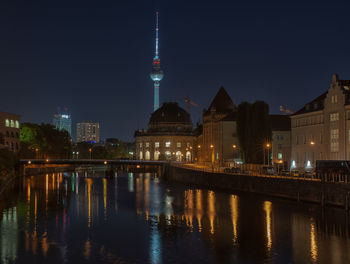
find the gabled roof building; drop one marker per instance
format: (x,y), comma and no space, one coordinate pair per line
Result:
(219,132)
(321,128)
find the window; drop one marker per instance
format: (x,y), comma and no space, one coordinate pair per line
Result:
(12,123)
(334,140)
(279,156)
(334,134)
(167,144)
(12,135)
(334,146)
(147,144)
(188,144)
(279,146)
(7,122)
(334,117)
(178,144)
(156,144)
(140,144)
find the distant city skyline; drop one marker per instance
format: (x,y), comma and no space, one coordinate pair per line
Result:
(95,58)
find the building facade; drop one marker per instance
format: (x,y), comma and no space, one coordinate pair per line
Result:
(169,135)
(88,132)
(63,122)
(10,130)
(321,129)
(219,140)
(281,140)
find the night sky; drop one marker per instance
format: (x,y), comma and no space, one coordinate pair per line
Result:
(94,57)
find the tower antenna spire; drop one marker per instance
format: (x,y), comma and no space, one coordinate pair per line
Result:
(157,39)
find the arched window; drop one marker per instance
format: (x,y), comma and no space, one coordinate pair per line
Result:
(178,156)
(156,155)
(188,156)
(7,134)
(17,135)
(12,134)
(168,154)
(147,155)
(141,155)
(7,122)
(16,124)
(16,146)
(12,123)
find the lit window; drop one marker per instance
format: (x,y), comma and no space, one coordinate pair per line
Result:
(178,144)
(167,144)
(334,117)
(140,144)
(188,144)
(16,124)
(147,144)
(12,123)
(156,144)
(7,122)
(279,156)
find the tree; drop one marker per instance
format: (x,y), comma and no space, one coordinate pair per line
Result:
(254,130)
(44,141)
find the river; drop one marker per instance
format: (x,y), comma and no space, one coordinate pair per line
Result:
(136,218)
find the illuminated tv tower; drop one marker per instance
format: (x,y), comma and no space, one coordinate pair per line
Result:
(156,74)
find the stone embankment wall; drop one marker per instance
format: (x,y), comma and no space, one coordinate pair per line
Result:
(329,193)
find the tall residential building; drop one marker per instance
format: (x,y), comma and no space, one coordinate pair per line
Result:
(63,121)
(88,132)
(321,129)
(156,74)
(281,141)
(10,130)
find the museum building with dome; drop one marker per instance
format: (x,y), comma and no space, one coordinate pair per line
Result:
(169,136)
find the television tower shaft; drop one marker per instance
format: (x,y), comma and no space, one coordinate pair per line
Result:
(156,74)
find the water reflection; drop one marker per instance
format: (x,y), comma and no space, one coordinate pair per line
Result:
(267,209)
(234,216)
(83,215)
(313,241)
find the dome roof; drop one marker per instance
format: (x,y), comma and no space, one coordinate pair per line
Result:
(170,113)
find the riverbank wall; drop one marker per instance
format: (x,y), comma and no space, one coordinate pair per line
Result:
(324,193)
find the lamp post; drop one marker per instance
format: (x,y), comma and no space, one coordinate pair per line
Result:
(36,153)
(90,150)
(268,153)
(234,146)
(212,156)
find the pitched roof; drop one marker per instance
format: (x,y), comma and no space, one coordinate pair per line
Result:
(280,122)
(314,105)
(222,102)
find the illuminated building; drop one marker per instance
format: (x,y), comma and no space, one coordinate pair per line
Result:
(63,121)
(321,128)
(169,135)
(156,74)
(281,145)
(219,133)
(10,130)
(88,132)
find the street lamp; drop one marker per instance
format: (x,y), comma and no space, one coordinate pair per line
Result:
(36,153)
(268,153)
(90,150)
(212,155)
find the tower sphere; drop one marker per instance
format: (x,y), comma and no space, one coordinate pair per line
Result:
(157,75)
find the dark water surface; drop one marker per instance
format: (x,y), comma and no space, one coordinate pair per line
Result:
(135,218)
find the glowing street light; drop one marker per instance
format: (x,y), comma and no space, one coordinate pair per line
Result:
(90,150)
(312,143)
(268,145)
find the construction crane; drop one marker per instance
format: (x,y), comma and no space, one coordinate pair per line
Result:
(285,110)
(189,102)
